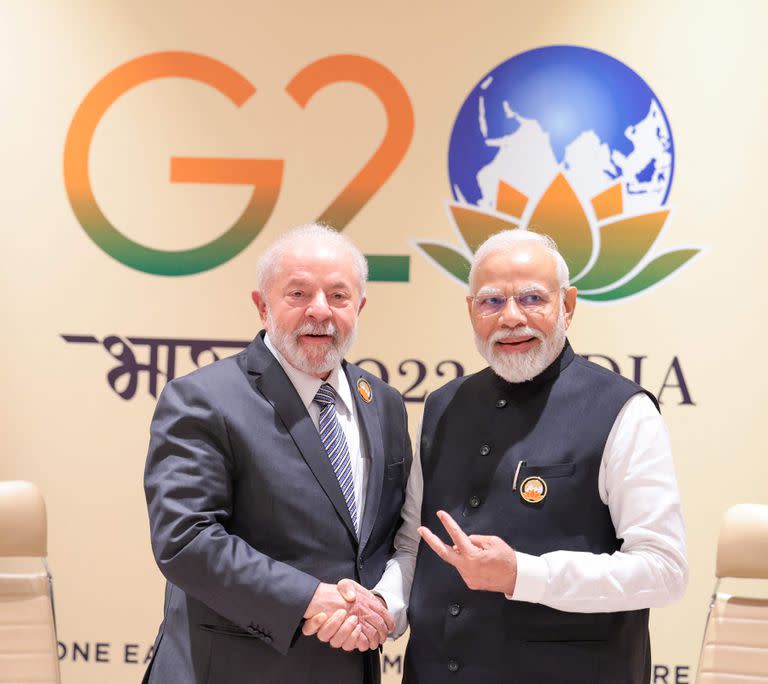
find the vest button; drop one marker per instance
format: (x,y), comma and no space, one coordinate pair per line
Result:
(453,666)
(485,450)
(501,403)
(454,609)
(474,501)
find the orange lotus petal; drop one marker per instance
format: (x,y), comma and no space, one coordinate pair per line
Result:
(608,203)
(476,226)
(560,215)
(623,244)
(510,200)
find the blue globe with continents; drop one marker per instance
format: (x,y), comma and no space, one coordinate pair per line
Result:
(562,110)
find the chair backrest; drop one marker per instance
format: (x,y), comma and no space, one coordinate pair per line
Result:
(28,648)
(742,546)
(735,647)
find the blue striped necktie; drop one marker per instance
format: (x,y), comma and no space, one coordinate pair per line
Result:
(332,437)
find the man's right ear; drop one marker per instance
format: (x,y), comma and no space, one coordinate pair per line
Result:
(261,305)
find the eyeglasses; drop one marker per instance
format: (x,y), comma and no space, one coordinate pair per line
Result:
(530,301)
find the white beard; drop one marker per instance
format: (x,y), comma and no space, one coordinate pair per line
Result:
(527,365)
(312,361)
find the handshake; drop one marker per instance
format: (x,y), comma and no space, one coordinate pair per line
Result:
(348,616)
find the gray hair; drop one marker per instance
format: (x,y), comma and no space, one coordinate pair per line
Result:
(506,240)
(265,269)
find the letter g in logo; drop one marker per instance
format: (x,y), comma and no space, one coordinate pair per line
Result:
(263,174)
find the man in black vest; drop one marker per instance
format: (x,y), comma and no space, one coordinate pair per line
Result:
(554,483)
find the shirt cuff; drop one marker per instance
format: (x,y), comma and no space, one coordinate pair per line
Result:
(532,578)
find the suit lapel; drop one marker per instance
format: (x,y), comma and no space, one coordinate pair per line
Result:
(274,384)
(370,431)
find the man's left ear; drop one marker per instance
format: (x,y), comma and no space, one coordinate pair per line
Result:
(362,304)
(569,302)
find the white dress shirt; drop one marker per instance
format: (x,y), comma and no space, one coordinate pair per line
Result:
(637,483)
(306,386)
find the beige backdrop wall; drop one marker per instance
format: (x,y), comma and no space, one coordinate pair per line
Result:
(74,314)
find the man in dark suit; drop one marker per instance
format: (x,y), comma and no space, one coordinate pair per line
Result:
(274,483)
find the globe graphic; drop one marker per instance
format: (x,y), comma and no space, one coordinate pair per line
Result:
(562,110)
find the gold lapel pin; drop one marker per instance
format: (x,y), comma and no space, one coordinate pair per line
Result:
(533,489)
(364,387)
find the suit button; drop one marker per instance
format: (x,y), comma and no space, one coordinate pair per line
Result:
(453,666)
(251,629)
(485,450)
(501,403)
(474,501)
(267,639)
(454,609)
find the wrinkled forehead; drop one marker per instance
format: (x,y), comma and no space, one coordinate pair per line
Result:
(520,267)
(316,259)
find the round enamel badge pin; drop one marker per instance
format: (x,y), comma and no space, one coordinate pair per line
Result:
(533,489)
(364,387)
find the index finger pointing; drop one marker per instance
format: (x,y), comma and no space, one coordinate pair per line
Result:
(463,544)
(437,545)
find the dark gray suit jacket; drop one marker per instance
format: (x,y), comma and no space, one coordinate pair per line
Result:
(247,517)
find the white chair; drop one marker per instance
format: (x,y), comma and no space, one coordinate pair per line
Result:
(735,646)
(28,648)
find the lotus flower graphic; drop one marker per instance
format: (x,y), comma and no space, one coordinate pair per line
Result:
(613,266)
(586,138)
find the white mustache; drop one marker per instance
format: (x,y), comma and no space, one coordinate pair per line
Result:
(315,328)
(515,334)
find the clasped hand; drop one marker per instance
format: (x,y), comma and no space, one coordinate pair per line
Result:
(348,616)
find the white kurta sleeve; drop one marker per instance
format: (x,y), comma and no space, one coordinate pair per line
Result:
(395,584)
(637,483)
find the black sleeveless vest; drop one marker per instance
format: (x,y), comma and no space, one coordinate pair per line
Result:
(476,433)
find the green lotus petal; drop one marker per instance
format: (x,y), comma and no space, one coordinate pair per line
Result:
(449,259)
(623,244)
(661,267)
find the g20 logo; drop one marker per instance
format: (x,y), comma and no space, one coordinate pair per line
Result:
(263,175)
